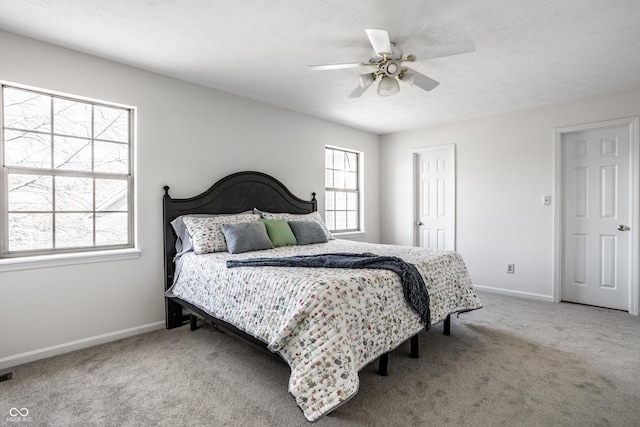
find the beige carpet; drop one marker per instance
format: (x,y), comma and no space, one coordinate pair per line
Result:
(515,362)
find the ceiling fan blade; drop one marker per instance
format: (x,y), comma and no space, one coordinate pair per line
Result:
(339,66)
(358,91)
(380,41)
(415,78)
(446,50)
(424,82)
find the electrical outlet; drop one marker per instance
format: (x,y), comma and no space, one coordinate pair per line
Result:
(511,268)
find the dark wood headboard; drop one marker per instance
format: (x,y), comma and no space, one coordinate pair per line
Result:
(238,192)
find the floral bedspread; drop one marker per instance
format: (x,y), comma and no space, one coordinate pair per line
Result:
(327,324)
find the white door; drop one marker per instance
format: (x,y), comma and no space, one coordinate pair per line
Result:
(434,174)
(596,188)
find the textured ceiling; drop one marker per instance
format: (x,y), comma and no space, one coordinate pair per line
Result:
(529,52)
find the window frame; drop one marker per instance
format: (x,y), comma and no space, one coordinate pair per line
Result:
(358,191)
(22,259)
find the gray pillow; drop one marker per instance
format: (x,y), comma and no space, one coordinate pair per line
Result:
(183,241)
(308,232)
(246,236)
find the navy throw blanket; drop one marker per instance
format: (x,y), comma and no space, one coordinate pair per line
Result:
(414,288)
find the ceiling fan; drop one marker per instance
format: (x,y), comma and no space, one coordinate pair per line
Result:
(388,65)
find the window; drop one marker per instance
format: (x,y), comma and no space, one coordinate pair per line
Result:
(67,182)
(342,192)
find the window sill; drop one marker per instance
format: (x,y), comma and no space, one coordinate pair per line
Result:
(57,260)
(349,235)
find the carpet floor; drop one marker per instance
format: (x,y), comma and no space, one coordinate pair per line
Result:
(516,362)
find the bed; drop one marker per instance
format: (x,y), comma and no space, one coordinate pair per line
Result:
(325,323)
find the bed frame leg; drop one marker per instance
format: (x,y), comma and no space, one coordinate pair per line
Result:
(193,320)
(173,314)
(383,364)
(447,325)
(415,347)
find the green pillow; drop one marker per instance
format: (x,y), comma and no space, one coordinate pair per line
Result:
(279,232)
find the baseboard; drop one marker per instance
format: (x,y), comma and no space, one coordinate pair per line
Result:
(43,353)
(519,294)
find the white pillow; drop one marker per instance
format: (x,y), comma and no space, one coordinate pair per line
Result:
(183,240)
(206,232)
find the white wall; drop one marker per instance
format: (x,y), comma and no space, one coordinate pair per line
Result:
(504,168)
(187,137)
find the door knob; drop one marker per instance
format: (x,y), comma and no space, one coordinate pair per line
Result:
(622,227)
(419,223)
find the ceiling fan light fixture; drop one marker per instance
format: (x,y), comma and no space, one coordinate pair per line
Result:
(367,80)
(407,77)
(391,68)
(388,86)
